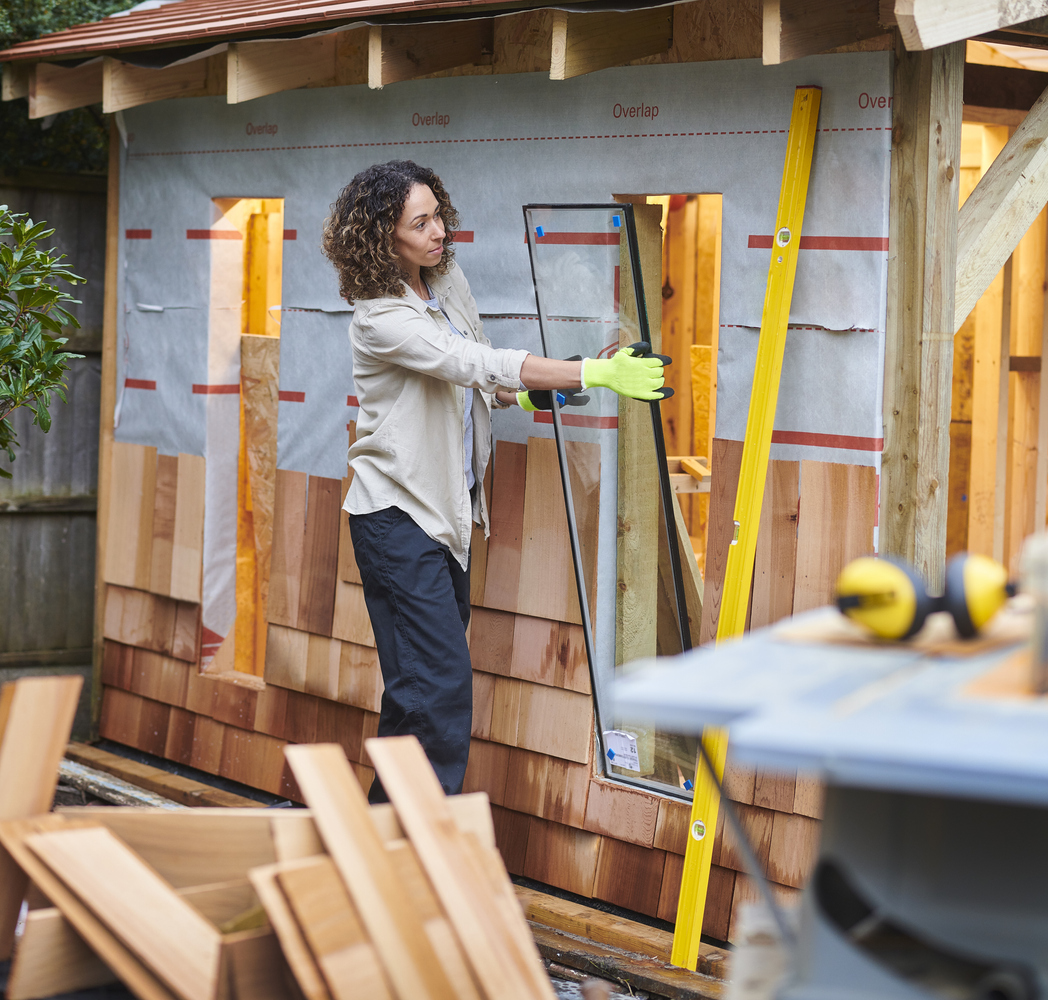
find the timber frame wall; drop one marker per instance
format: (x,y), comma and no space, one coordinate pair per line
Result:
(557,821)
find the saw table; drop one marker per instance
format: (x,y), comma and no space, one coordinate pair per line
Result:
(932,878)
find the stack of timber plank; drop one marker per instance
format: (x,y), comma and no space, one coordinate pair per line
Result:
(341,900)
(556,820)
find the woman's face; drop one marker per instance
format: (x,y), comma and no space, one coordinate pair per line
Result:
(419,232)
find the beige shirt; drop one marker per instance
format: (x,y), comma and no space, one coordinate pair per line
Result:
(410,371)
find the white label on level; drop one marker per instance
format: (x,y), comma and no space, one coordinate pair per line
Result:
(621,748)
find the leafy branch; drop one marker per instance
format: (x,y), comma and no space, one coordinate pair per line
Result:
(32,318)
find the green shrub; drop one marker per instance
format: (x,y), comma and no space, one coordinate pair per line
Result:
(32,316)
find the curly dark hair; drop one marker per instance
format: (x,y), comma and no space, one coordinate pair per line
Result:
(358,235)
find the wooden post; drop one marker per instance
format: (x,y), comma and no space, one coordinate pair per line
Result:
(108,401)
(918,362)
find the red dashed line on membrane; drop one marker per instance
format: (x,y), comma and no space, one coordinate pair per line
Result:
(352,401)
(765,242)
(846,441)
(216,390)
(139,383)
(288,396)
(519,138)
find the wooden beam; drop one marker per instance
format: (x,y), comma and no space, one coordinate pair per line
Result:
(797,28)
(928,24)
(1002,207)
(1003,87)
(127,86)
(918,361)
(255,69)
(16,80)
(105,416)
(404,52)
(584,43)
(53,89)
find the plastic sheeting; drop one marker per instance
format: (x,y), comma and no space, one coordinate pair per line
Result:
(502,141)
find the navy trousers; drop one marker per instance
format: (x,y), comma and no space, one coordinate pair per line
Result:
(418,600)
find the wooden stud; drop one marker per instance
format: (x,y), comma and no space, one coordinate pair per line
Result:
(404,52)
(1003,206)
(54,89)
(126,86)
(502,577)
(255,69)
(920,316)
(341,814)
(797,28)
(165,932)
(584,43)
(623,813)
(522,42)
(926,24)
(494,937)
(289,528)
(547,574)
(775,565)
(837,514)
(725,464)
(561,856)
(187,550)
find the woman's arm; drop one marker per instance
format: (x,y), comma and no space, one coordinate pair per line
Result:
(545,373)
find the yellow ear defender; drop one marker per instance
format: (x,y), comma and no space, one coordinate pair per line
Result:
(890,599)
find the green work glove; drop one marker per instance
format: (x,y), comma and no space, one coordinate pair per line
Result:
(542,399)
(632,371)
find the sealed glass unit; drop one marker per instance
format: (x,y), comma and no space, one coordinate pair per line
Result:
(586,268)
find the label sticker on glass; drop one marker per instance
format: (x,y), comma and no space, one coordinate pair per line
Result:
(622,749)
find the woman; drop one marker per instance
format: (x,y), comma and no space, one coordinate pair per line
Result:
(426,379)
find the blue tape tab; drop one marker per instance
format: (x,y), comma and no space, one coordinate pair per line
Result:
(538,232)
(611,754)
(616,221)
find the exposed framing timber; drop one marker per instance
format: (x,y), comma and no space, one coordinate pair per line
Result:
(255,69)
(16,80)
(797,28)
(1002,207)
(127,86)
(53,88)
(404,52)
(927,24)
(584,43)
(106,406)
(918,362)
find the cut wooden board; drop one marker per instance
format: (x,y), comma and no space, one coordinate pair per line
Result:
(256,966)
(130,533)
(163,524)
(36,717)
(775,564)
(51,959)
(333,930)
(724,482)
(502,577)
(838,509)
(320,556)
(341,814)
(289,539)
(292,941)
(187,547)
(140,980)
(490,927)
(163,931)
